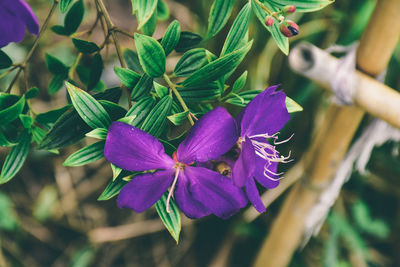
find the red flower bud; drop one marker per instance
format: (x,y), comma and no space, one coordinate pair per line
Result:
(269,21)
(289,28)
(289,9)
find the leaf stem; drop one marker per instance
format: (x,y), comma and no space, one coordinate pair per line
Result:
(35,44)
(178,96)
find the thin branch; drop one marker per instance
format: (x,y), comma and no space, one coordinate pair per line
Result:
(124,32)
(111,27)
(35,44)
(178,96)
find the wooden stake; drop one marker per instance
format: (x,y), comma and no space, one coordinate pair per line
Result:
(331,143)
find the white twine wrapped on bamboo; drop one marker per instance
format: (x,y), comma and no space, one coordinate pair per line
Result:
(348,86)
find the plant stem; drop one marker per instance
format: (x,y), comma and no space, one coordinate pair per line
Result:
(111,28)
(124,32)
(35,44)
(178,96)
(267,9)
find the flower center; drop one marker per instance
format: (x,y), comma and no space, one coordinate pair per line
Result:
(268,151)
(223,168)
(178,167)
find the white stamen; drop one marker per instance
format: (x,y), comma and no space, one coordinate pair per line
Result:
(171,190)
(268,152)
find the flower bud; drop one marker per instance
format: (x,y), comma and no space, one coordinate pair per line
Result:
(269,21)
(289,28)
(289,9)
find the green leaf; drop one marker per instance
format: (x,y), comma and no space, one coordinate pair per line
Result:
(163,12)
(86,155)
(364,221)
(55,66)
(16,158)
(349,234)
(292,106)
(243,98)
(12,112)
(143,87)
(161,90)
(64,5)
(151,55)
(240,82)
(132,60)
(99,133)
(8,218)
(281,40)
(191,61)
(84,46)
(219,14)
(178,118)
(52,115)
(303,5)
(5,60)
(74,17)
(69,127)
(205,92)
(114,110)
(128,77)
(96,69)
(56,83)
(32,93)
(4,141)
(238,30)
(46,203)
(116,171)
(145,10)
(157,118)
(141,110)
(26,121)
(217,68)
(134,6)
(171,37)
(112,189)
(37,134)
(88,108)
(188,40)
(172,219)
(60,30)
(150,26)
(83,257)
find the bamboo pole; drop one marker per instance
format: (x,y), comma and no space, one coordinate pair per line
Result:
(374,97)
(332,142)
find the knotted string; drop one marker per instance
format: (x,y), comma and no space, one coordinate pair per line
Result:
(343,84)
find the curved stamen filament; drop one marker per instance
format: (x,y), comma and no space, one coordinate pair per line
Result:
(171,190)
(268,152)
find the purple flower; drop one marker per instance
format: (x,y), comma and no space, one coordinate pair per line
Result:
(258,160)
(198,191)
(15,15)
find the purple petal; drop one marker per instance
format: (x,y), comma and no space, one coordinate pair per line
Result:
(210,137)
(261,178)
(135,150)
(11,28)
(266,113)
(23,12)
(254,196)
(185,200)
(216,192)
(245,165)
(144,190)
